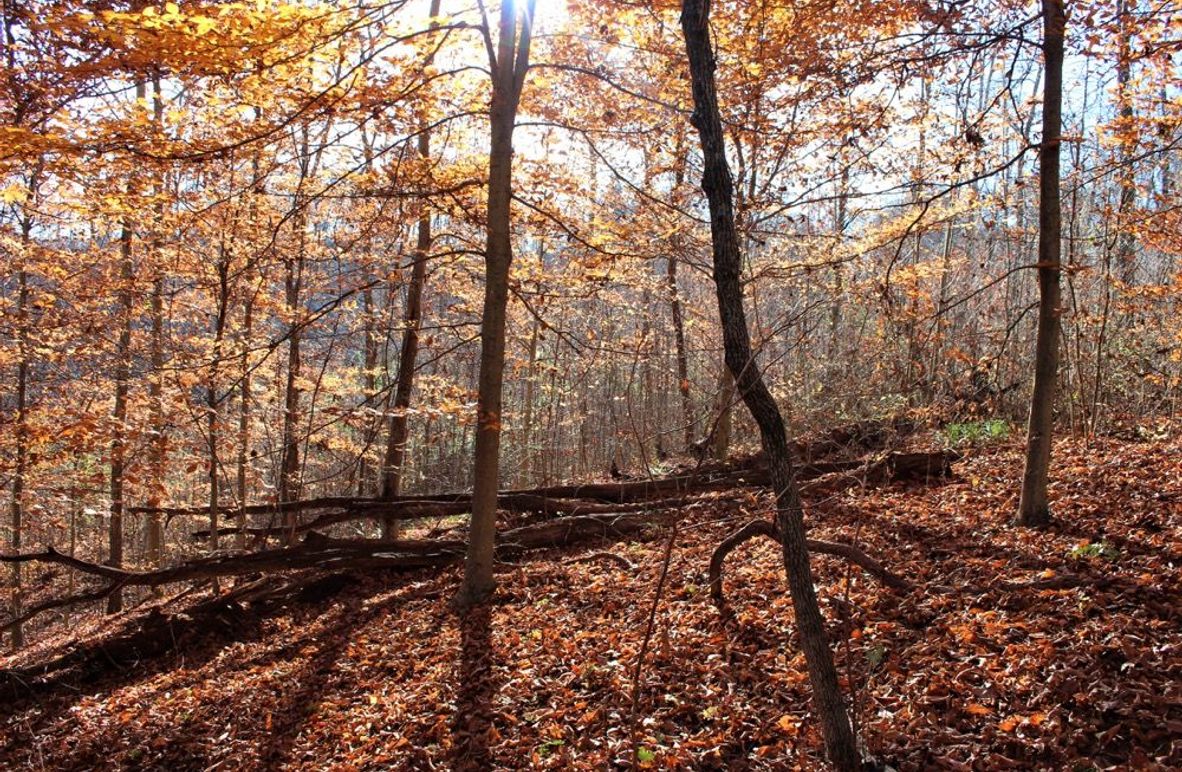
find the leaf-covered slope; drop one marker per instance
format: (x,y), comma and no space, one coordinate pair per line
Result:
(973,670)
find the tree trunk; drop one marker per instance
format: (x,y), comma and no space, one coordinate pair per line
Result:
(212,402)
(1126,265)
(244,397)
(408,354)
(716,183)
(720,444)
(119,414)
(158,448)
(508,66)
(1032,505)
(290,466)
(683,384)
(527,419)
(22,433)
(370,385)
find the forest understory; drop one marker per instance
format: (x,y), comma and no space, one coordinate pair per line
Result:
(1011,649)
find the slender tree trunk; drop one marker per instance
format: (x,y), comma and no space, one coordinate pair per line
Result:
(937,365)
(1126,264)
(242,491)
(370,385)
(290,466)
(509,67)
(212,403)
(158,448)
(408,354)
(407,357)
(527,420)
(1033,509)
(22,435)
(683,383)
(1166,181)
(243,442)
(119,414)
(721,444)
(716,183)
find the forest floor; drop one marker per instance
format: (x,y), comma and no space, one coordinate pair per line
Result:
(960,673)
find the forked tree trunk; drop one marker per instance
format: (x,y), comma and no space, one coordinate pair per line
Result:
(716,182)
(508,65)
(1032,506)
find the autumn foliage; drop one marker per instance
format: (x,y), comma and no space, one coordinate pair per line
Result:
(251,256)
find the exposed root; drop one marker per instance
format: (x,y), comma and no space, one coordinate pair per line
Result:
(766,528)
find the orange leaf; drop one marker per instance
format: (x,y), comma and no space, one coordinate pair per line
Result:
(788,724)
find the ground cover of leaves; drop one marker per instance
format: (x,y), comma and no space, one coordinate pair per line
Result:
(961,673)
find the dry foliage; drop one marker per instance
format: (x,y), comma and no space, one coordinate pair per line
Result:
(981,667)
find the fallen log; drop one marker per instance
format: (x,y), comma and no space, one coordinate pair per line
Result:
(145,635)
(318,551)
(595,510)
(629,496)
(552,507)
(811,453)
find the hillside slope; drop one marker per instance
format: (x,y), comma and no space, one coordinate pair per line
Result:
(1016,650)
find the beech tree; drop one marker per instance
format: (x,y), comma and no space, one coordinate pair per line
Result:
(508,65)
(411,318)
(1033,509)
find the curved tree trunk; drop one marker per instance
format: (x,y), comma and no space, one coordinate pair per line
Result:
(835,724)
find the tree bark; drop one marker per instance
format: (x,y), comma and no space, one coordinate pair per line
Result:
(119,413)
(1033,509)
(1126,241)
(244,398)
(212,402)
(289,473)
(720,443)
(370,389)
(22,433)
(683,383)
(408,354)
(158,448)
(508,66)
(717,184)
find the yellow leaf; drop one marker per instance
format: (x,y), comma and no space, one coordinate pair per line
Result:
(1009,724)
(788,724)
(977,709)
(13,194)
